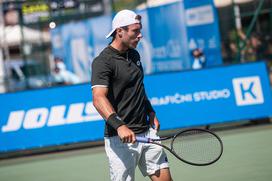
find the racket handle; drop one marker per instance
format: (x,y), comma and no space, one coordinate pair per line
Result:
(142,139)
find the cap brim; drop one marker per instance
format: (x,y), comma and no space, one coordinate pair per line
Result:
(108,35)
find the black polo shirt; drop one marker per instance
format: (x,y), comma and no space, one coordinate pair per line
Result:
(123,74)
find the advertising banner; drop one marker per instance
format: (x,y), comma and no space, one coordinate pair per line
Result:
(170,33)
(73,43)
(208,96)
(47,117)
(168,38)
(99,27)
(203,31)
(66,115)
(78,43)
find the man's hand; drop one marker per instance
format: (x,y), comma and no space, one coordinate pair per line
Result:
(154,122)
(126,134)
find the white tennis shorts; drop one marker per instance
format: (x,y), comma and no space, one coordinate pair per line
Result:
(124,157)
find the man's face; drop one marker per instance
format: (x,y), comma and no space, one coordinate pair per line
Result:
(132,35)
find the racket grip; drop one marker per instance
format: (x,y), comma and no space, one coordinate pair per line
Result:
(142,139)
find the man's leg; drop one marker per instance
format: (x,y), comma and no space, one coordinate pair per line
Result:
(122,159)
(161,175)
(153,161)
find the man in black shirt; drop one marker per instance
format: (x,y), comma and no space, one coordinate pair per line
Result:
(119,96)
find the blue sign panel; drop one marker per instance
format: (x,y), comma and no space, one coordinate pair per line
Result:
(170,33)
(99,32)
(211,95)
(64,115)
(203,30)
(57,44)
(78,42)
(168,37)
(48,117)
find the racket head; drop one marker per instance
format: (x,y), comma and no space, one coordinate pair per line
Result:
(199,147)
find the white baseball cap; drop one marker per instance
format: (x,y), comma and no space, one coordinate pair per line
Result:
(123,18)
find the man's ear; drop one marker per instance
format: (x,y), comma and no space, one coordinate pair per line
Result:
(119,32)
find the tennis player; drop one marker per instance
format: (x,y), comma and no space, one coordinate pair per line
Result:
(119,96)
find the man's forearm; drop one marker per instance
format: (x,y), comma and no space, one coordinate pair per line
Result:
(103,106)
(107,111)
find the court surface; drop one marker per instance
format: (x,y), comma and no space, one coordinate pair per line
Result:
(247,157)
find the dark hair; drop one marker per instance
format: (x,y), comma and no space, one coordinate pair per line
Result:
(125,28)
(113,37)
(138,17)
(114,33)
(198,50)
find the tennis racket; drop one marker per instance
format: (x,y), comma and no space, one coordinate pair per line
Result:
(199,147)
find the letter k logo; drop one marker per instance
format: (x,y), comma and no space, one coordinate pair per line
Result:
(248,91)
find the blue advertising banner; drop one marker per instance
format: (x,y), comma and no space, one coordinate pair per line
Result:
(57,44)
(54,116)
(73,43)
(99,27)
(99,42)
(170,33)
(168,37)
(209,96)
(66,115)
(78,43)
(203,30)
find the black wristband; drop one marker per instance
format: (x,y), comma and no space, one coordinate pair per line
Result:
(115,121)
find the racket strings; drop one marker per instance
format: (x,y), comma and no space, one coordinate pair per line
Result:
(197,147)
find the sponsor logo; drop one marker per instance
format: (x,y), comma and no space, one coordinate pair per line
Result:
(199,16)
(199,96)
(248,91)
(55,116)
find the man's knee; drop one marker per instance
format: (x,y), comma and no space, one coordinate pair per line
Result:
(161,175)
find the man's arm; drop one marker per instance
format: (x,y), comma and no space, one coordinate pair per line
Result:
(101,102)
(154,122)
(106,110)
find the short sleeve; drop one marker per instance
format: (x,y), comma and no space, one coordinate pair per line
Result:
(101,73)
